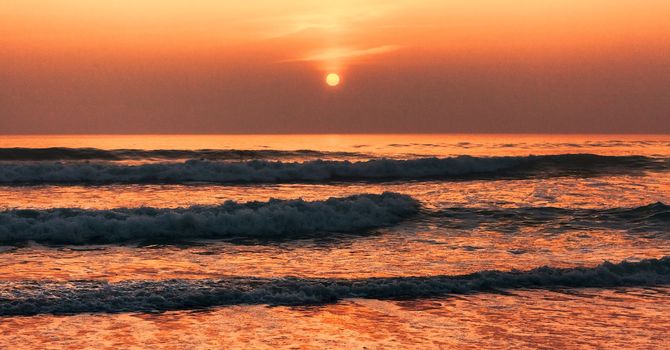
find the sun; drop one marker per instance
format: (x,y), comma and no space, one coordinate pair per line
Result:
(332,79)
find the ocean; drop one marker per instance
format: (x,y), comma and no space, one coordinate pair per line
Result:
(335,241)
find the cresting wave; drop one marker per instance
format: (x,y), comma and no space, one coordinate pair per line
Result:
(49,297)
(260,171)
(652,217)
(74,154)
(272,219)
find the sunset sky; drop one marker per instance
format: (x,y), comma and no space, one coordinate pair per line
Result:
(260,66)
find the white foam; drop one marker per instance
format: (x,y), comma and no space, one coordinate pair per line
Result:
(272,219)
(39,297)
(262,171)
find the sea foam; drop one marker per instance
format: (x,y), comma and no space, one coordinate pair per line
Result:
(263,171)
(271,219)
(52,297)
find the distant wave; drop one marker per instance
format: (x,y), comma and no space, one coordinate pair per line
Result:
(260,171)
(50,297)
(652,217)
(272,219)
(72,154)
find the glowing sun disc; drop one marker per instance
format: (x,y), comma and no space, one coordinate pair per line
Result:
(332,79)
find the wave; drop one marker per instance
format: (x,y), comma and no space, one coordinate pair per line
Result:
(74,154)
(652,217)
(262,171)
(263,220)
(49,297)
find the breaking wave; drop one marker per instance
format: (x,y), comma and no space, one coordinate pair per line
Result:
(50,297)
(263,171)
(652,217)
(272,219)
(74,154)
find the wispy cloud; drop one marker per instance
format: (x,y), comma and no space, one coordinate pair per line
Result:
(344,53)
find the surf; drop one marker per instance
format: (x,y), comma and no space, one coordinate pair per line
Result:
(323,171)
(264,220)
(27,298)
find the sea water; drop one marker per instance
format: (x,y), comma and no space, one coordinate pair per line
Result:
(334,241)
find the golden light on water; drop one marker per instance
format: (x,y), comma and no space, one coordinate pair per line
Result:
(333,79)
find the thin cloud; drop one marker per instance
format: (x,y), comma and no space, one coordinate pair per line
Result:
(344,53)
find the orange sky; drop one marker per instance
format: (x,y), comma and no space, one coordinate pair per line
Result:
(258,66)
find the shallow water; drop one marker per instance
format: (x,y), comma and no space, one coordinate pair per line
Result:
(577,211)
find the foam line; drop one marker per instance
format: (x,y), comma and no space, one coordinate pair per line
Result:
(27,298)
(263,171)
(272,219)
